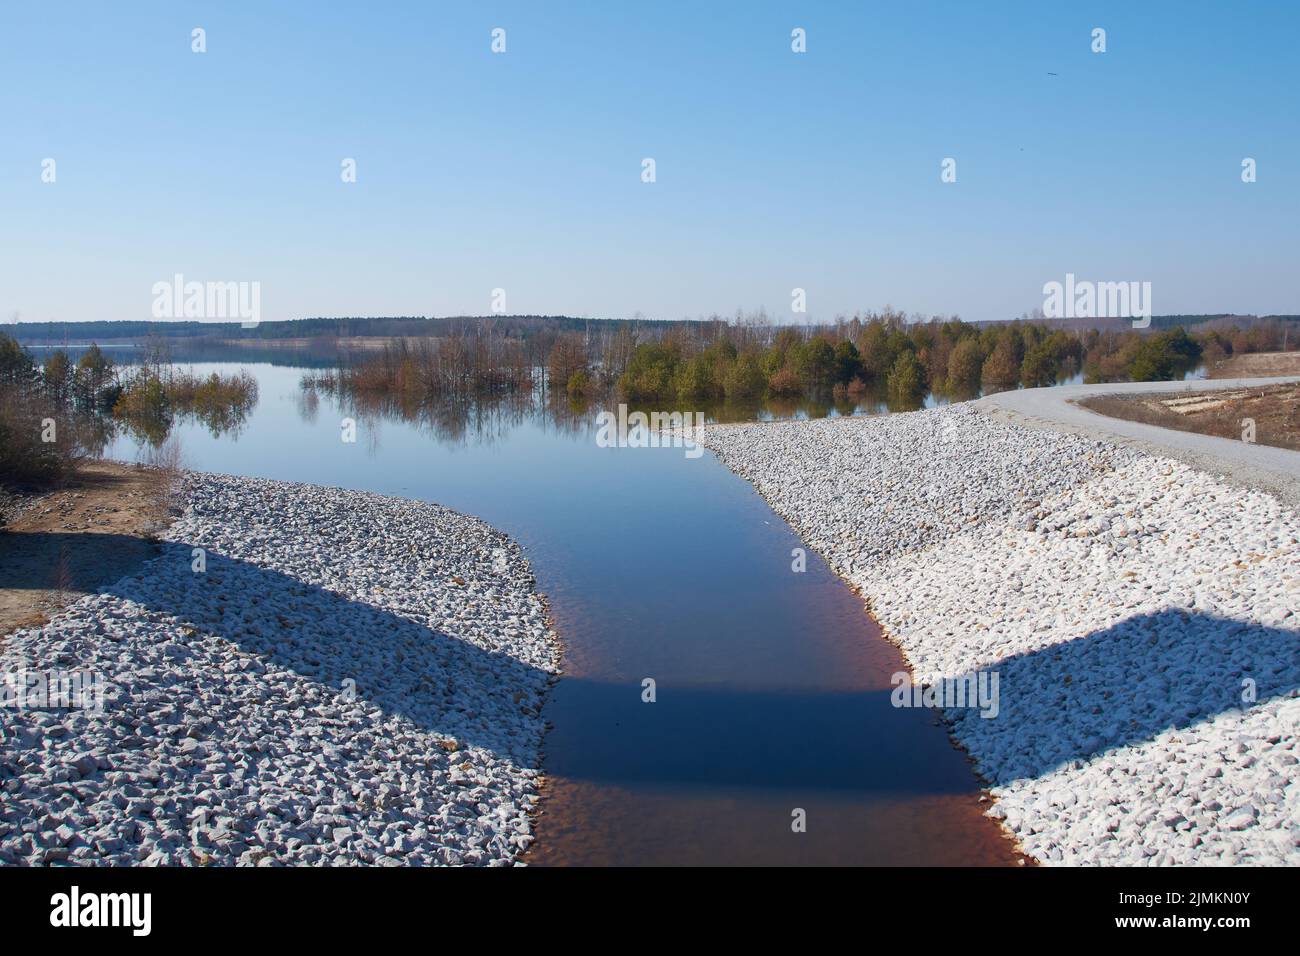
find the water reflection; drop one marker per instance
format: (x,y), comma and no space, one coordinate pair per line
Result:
(488,419)
(142,395)
(151,404)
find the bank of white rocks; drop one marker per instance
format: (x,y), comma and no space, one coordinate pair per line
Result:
(351,679)
(1131,606)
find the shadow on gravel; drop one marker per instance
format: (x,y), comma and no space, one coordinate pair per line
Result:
(40,571)
(701,734)
(1127,684)
(380,658)
(75,560)
(1114,688)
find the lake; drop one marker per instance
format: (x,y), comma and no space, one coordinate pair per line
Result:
(771,687)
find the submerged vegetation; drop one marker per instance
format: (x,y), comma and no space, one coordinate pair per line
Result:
(459,367)
(56,413)
(152,399)
(884,358)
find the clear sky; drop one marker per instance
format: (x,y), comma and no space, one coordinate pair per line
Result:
(522,170)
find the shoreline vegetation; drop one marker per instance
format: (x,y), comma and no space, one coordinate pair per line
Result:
(56,413)
(884,357)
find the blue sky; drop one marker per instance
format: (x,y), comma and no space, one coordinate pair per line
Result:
(521,170)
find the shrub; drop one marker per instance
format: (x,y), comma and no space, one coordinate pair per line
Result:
(696,378)
(144,408)
(40,443)
(778,356)
(1040,366)
(964,366)
(27,419)
(906,381)
(650,373)
(744,380)
(1001,369)
(785,382)
(579,384)
(1165,355)
(814,363)
(874,345)
(848,362)
(221,402)
(1111,356)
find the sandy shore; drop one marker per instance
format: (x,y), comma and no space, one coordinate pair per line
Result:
(59,546)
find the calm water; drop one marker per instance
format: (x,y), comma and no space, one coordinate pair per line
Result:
(772,687)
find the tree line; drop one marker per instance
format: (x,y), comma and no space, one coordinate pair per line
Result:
(879,355)
(883,354)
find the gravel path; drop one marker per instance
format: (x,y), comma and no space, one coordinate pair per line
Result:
(349,679)
(1275,470)
(1141,617)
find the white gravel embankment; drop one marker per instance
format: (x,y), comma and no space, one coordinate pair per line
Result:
(352,679)
(1131,606)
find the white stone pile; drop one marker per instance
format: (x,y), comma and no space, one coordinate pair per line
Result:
(332,678)
(1143,619)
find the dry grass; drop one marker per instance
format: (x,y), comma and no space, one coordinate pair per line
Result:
(1257,365)
(1274,409)
(68,542)
(166,465)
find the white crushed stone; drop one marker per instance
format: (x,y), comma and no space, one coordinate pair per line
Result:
(1125,601)
(233,732)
